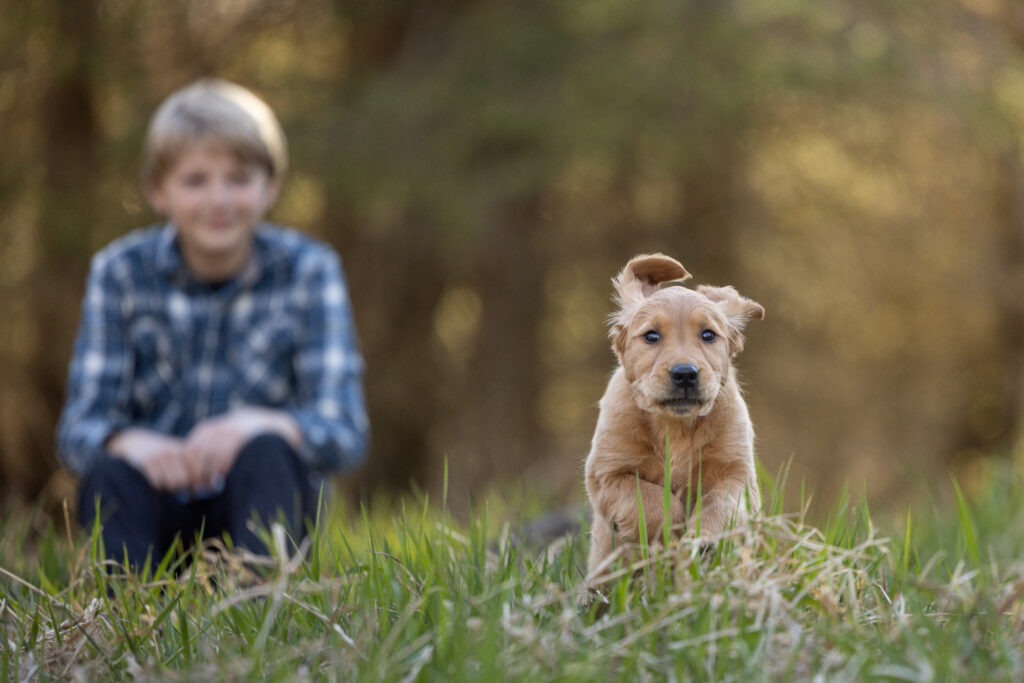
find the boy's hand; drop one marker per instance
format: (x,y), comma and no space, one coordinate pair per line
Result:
(159,457)
(213,445)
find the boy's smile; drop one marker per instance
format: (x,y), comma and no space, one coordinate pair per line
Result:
(215,200)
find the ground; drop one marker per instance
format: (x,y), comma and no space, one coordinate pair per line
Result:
(405,592)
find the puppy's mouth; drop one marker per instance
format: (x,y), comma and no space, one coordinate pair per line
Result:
(682,405)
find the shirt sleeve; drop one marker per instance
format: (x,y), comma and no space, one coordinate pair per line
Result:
(331,410)
(99,373)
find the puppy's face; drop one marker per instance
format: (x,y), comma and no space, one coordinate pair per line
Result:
(675,352)
(675,344)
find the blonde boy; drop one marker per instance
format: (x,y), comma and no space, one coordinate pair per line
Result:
(216,374)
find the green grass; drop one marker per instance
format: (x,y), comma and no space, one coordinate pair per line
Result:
(406,593)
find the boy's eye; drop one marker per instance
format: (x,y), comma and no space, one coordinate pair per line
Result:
(194,179)
(708,336)
(652,336)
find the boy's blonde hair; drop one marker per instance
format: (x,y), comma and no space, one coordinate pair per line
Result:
(218,112)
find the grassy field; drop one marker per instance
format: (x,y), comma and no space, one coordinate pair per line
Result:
(406,593)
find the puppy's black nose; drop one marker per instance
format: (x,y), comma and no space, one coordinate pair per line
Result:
(684,375)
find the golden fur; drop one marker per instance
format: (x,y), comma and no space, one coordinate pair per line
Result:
(706,424)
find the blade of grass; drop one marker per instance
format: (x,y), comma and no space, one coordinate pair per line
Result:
(666,512)
(700,491)
(444,486)
(905,560)
(642,519)
(968,531)
(6,657)
(836,524)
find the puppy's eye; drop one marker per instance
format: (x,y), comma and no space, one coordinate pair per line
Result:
(652,336)
(708,336)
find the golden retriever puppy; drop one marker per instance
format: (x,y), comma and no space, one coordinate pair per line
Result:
(675,385)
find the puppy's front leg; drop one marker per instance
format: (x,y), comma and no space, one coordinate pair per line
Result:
(723,507)
(617,513)
(615,499)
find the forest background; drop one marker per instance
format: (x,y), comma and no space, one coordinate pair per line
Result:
(484,167)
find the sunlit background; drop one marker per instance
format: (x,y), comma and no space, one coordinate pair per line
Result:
(485,167)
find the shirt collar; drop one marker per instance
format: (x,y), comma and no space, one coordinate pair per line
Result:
(168,255)
(267,253)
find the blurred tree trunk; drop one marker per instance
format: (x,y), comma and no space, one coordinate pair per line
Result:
(71,173)
(400,281)
(718,73)
(500,431)
(407,31)
(1010,247)
(992,414)
(706,242)
(1013,253)
(401,273)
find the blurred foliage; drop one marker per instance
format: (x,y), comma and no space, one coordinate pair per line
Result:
(485,167)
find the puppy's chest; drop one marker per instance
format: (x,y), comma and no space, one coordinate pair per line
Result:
(684,461)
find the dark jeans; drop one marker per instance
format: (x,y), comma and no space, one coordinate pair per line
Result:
(267,480)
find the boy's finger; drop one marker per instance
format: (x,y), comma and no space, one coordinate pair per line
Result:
(192,462)
(167,474)
(180,474)
(201,475)
(154,473)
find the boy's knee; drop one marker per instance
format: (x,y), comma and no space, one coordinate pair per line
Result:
(268,479)
(110,472)
(266,455)
(110,480)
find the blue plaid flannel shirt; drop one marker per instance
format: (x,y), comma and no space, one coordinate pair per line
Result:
(160,350)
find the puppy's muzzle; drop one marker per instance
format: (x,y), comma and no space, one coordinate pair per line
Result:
(684,376)
(684,388)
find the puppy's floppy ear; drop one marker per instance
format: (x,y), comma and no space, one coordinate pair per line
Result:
(639,279)
(617,333)
(642,275)
(738,311)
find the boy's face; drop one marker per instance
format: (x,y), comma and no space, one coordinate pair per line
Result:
(215,201)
